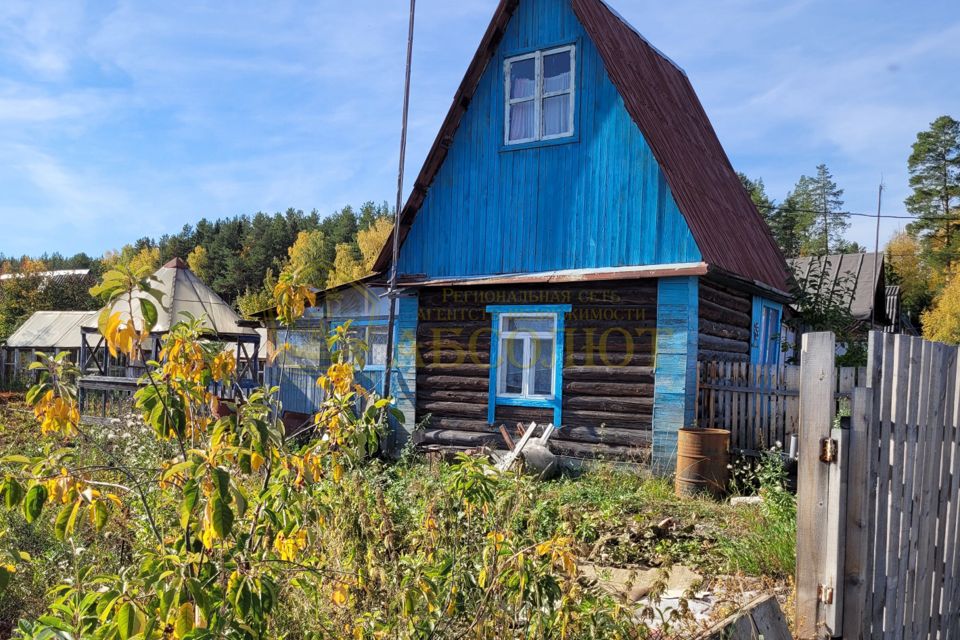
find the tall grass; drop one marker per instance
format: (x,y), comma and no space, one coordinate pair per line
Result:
(767,544)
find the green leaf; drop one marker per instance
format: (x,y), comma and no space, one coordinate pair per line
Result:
(240,501)
(60,525)
(243,600)
(72,520)
(99,514)
(33,505)
(188,503)
(221,516)
(221,478)
(12,493)
(149,312)
(33,395)
(15,459)
(126,621)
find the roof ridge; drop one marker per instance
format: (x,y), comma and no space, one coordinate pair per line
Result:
(629,25)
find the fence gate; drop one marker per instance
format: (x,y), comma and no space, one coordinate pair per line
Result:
(878,510)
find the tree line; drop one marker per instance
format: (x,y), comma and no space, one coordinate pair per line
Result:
(238,257)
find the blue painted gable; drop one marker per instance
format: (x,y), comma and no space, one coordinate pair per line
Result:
(597,200)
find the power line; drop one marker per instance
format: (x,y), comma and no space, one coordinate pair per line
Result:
(860,214)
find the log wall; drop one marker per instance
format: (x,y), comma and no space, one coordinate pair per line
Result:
(725,317)
(607,372)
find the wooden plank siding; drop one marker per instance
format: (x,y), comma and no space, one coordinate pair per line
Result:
(597,199)
(608,373)
(724,322)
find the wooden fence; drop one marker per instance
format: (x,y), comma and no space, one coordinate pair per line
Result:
(759,403)
(878,500)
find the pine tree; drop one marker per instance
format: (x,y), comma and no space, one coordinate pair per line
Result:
(934,166)
(789,226)
(819,201)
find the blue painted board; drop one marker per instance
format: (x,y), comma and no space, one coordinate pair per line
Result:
(596,200)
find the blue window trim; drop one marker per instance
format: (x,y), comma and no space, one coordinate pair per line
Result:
(502,81)
(556,402)
(756,329)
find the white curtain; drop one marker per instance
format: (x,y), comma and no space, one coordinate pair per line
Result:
(521,120)
(556,115)
(521,87)
(559,82)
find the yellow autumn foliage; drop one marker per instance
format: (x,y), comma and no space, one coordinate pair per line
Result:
(941,322)
(372,239)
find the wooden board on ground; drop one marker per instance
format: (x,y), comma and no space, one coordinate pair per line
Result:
(761,618)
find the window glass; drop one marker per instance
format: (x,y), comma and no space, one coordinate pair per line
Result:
(514,365)
(556,72)
(377,344)
(522,120)
(542,357)
(523,78)
(529,323)
(527,355)
(556,115)
(540,94)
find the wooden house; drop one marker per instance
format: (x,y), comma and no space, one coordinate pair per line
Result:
(575,240)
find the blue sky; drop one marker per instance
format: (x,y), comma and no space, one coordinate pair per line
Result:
(125,119)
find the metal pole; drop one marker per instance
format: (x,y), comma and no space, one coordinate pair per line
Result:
(391,289)
(876,254)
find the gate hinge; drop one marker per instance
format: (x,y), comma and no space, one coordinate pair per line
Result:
(825,594)
(828,450)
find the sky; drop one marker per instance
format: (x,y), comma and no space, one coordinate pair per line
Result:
(120,119)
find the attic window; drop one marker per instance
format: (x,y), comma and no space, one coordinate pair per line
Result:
(538,97)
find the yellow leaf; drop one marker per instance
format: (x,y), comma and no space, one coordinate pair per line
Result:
(339,595)
(184,623)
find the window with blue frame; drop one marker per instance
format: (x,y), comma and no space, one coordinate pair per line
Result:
(526,357)
(765,332)
(539,95)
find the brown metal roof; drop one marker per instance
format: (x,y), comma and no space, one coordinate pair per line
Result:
(726,225)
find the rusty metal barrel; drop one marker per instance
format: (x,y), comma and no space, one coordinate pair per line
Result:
(703,456)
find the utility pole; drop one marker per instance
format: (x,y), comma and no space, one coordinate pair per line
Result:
(876,249)
(392,287)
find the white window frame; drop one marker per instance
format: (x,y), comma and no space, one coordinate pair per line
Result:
(539,95)
(527,371)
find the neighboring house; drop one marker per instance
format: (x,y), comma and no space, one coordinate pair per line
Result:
(43,332)
(306,357)
(853,282)
(575,241)
(181,292)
